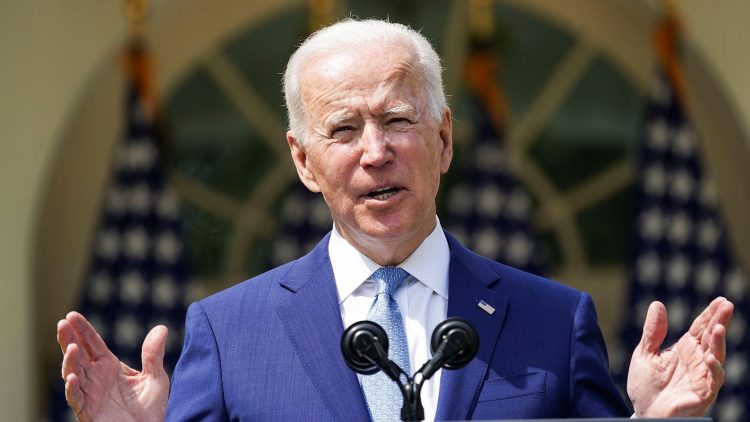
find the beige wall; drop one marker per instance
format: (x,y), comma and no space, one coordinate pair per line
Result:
(50,51)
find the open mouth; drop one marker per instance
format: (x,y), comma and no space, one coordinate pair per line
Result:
(383,194)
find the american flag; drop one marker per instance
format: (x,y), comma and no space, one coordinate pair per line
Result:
(304,219)
(487,208)
(138,275)
(681,254)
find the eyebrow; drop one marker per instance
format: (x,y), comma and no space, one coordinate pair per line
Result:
(337,119)
(401,108)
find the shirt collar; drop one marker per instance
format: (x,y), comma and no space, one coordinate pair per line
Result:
(428,263)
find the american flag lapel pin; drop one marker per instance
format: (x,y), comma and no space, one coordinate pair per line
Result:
(486,307)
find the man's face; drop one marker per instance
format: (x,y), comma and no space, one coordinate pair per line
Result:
(372,148)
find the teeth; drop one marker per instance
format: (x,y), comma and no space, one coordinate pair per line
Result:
(383,193)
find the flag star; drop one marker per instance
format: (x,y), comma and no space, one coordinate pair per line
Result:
(519,204)
(649,268)
(115,202)
(461,200)
(320,215)
(141,154)
(101,288)
(519,249)
(132,288)
(678,271)
(487,242)
(192,292)
(136,243)
(285,249)
(108,244)
(652,224)
(294,209)
(707,276)
(736,330)
(658,135)
(167,247)
(735,369)
(164,293)
(167,205)
(140,199)
(707,195)
(128,331)
(736,284)
(682,185)
(489,156)
(490,201)
(684,144)
(730,409)
(655,179)
(680,228)
(678,314)
(708,234)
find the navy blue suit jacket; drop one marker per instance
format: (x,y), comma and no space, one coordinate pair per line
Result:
(268,349)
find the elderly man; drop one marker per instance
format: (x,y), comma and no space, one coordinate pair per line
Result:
(371,131)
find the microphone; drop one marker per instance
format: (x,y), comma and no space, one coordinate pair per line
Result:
(454,344)
(364,346)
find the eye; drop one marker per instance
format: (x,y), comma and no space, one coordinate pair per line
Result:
(398,121)
(342,129)
(343,132)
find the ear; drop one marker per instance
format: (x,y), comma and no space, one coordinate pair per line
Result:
(299,155)
(446,137)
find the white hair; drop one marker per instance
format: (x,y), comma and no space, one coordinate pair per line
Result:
(351,33)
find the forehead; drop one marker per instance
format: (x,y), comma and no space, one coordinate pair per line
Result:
(376,75)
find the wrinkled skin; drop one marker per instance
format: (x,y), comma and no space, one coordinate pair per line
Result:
(98,387)
(684,379)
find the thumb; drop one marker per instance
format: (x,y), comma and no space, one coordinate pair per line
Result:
(152,352)
(654,328)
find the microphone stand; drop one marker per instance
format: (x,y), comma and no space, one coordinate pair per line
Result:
(365,349)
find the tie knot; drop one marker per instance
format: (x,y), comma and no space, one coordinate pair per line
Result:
(388,279)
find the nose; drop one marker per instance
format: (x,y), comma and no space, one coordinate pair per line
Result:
(376,150)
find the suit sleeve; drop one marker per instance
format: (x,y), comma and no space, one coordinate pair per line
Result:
(593,391)
(197,392)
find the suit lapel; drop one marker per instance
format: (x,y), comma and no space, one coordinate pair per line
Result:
(311,317)
(469,280)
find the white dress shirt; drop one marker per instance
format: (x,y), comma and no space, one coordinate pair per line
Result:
(423,298)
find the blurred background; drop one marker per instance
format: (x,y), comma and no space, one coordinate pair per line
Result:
(605,144)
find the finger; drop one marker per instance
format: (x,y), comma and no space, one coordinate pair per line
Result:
(89,339)
(700,323)
(717,373)
(152,353)
(654,328)
(74,394)
(718,343)
(65,334)
(725,312)
(72,362)
(721,317)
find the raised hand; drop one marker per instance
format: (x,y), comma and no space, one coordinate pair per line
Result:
(682,380)
(98,387)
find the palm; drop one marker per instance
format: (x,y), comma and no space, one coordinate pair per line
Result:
(128,394)
(101,388)
(682,380)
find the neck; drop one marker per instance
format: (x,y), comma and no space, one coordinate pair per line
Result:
(388,252)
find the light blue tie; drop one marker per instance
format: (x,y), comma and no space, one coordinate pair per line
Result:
(383,396)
